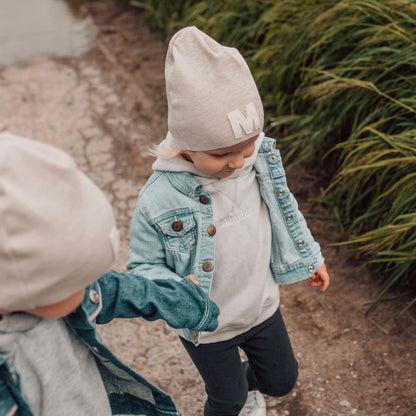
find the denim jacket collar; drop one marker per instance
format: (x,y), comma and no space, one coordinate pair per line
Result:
(185,182)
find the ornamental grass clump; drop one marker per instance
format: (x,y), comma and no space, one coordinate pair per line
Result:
(374,193)
(355,111)
(338,80)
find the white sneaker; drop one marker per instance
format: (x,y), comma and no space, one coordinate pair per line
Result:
(255,405)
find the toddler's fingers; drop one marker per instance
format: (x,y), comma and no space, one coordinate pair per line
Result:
(315,283)
(325,284)
(193,278)
(324,276)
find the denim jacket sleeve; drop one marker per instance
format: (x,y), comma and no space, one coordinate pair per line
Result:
(181,304)
(12,399)
(295,254)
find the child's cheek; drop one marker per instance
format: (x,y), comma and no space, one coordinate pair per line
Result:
(211,166)
(218,166)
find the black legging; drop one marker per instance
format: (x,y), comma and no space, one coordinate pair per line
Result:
(272,368)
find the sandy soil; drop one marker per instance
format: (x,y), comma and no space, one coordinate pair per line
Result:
(111,108)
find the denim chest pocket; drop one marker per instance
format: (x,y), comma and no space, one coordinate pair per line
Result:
(178,232)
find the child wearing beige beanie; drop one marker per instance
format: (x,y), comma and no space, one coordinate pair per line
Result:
(58,239)
(218,206)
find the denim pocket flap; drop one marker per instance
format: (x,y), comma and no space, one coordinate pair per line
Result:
(177,226)
(179,232)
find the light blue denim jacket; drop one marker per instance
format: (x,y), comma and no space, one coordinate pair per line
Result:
(158,247)
(119,295)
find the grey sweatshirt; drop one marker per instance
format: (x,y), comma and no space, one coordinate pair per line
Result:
(36,347)
(243,285)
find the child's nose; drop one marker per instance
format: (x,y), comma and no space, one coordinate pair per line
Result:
(236,161)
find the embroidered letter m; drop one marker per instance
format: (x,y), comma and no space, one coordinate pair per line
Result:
(248,123)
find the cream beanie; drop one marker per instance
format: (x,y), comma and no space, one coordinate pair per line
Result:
(57,229)
(213,101)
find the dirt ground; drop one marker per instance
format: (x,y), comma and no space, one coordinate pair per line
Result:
(350,364)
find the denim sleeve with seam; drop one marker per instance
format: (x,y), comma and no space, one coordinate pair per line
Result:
(182,304)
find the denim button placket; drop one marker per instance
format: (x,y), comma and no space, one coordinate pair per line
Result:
(207,266)
(211,230)
(204,199)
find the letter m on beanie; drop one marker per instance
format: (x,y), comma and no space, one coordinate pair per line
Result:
(248,123)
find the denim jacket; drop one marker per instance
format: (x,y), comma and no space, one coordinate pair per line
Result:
(171,232)
(117,295)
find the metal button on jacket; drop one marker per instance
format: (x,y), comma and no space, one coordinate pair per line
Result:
(203,199)
(311,269)
(208,266)
(289,217)
(94,296)
(177,225)
(14,378)
(281,192)
(272,158)
(301,243)
(211,230)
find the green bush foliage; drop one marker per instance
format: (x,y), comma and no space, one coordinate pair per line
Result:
(338,79)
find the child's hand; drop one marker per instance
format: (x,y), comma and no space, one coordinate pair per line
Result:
(192,277)
(320,278)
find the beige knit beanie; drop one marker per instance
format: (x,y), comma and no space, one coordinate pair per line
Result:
(57,229)
(213,101)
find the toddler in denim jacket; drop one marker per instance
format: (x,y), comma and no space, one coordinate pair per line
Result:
(58,239)
(218,207)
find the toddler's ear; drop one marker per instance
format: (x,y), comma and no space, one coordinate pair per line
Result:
(186,156)
(59,309)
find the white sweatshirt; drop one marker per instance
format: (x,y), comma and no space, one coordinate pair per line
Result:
(243,285)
